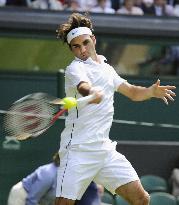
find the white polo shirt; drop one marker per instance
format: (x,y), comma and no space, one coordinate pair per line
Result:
(91,123)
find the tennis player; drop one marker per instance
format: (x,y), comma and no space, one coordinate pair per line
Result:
(86,151)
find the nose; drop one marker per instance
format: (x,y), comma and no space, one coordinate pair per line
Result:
(83,49)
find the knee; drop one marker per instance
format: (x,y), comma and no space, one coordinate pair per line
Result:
(14,188)
(143,200)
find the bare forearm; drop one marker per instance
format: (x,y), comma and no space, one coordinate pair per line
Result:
(140,93)
(85,89)
(135,93)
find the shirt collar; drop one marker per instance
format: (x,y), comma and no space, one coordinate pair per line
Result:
(91,61)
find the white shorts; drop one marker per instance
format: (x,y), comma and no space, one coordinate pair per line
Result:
(98,162)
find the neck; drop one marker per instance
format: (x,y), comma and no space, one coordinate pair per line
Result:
(96,58)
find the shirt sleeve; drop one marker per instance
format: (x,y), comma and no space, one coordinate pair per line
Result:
(117,80)
(76,73)
(40,186)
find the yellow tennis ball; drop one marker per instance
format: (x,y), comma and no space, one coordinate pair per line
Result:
(69,102)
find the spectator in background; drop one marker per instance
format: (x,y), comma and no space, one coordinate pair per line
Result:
(145,5)
(40,186)
(2,2)
(92,195)
(62,1)
(169,63)
(86,5)
(172,2)
(174,179)
(159,8)
(129,8)
(165,62)
(102,7)
(175,5)
(176,10)
(18,3)
(45,4)
(73,5)
(116,4)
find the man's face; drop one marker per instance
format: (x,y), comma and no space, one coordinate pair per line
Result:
(83,46)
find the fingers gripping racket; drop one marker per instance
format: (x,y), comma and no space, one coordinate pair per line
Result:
(33,114)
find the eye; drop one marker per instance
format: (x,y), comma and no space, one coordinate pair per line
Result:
(75,46)
(85,42)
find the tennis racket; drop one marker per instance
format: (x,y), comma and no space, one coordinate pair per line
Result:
(33,114)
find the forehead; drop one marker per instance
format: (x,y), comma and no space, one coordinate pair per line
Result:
(80,39)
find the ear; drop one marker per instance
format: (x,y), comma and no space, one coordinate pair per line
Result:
(94,39)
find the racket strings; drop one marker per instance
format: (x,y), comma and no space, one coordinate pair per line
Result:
(28,117)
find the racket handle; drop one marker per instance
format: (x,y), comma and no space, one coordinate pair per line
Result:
(58,115)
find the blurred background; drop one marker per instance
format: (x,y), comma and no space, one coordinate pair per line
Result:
(140,39)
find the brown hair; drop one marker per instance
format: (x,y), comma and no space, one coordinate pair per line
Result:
(74,21)
(56,159)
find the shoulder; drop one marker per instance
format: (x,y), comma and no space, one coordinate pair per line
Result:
(75,66)
(74,63)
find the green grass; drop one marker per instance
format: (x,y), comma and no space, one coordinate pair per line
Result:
(24,54)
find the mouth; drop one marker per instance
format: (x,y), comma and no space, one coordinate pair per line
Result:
(84,56)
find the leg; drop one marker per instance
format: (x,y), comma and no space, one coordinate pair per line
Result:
(134,193)
(17,195)
(64,201)
(118,176)
(73,165)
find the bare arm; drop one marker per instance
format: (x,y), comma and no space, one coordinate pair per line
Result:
(85,89)
(139,93)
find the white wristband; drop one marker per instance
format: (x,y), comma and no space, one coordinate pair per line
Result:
(85,100)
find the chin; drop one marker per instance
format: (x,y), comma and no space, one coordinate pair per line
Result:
(84,58)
